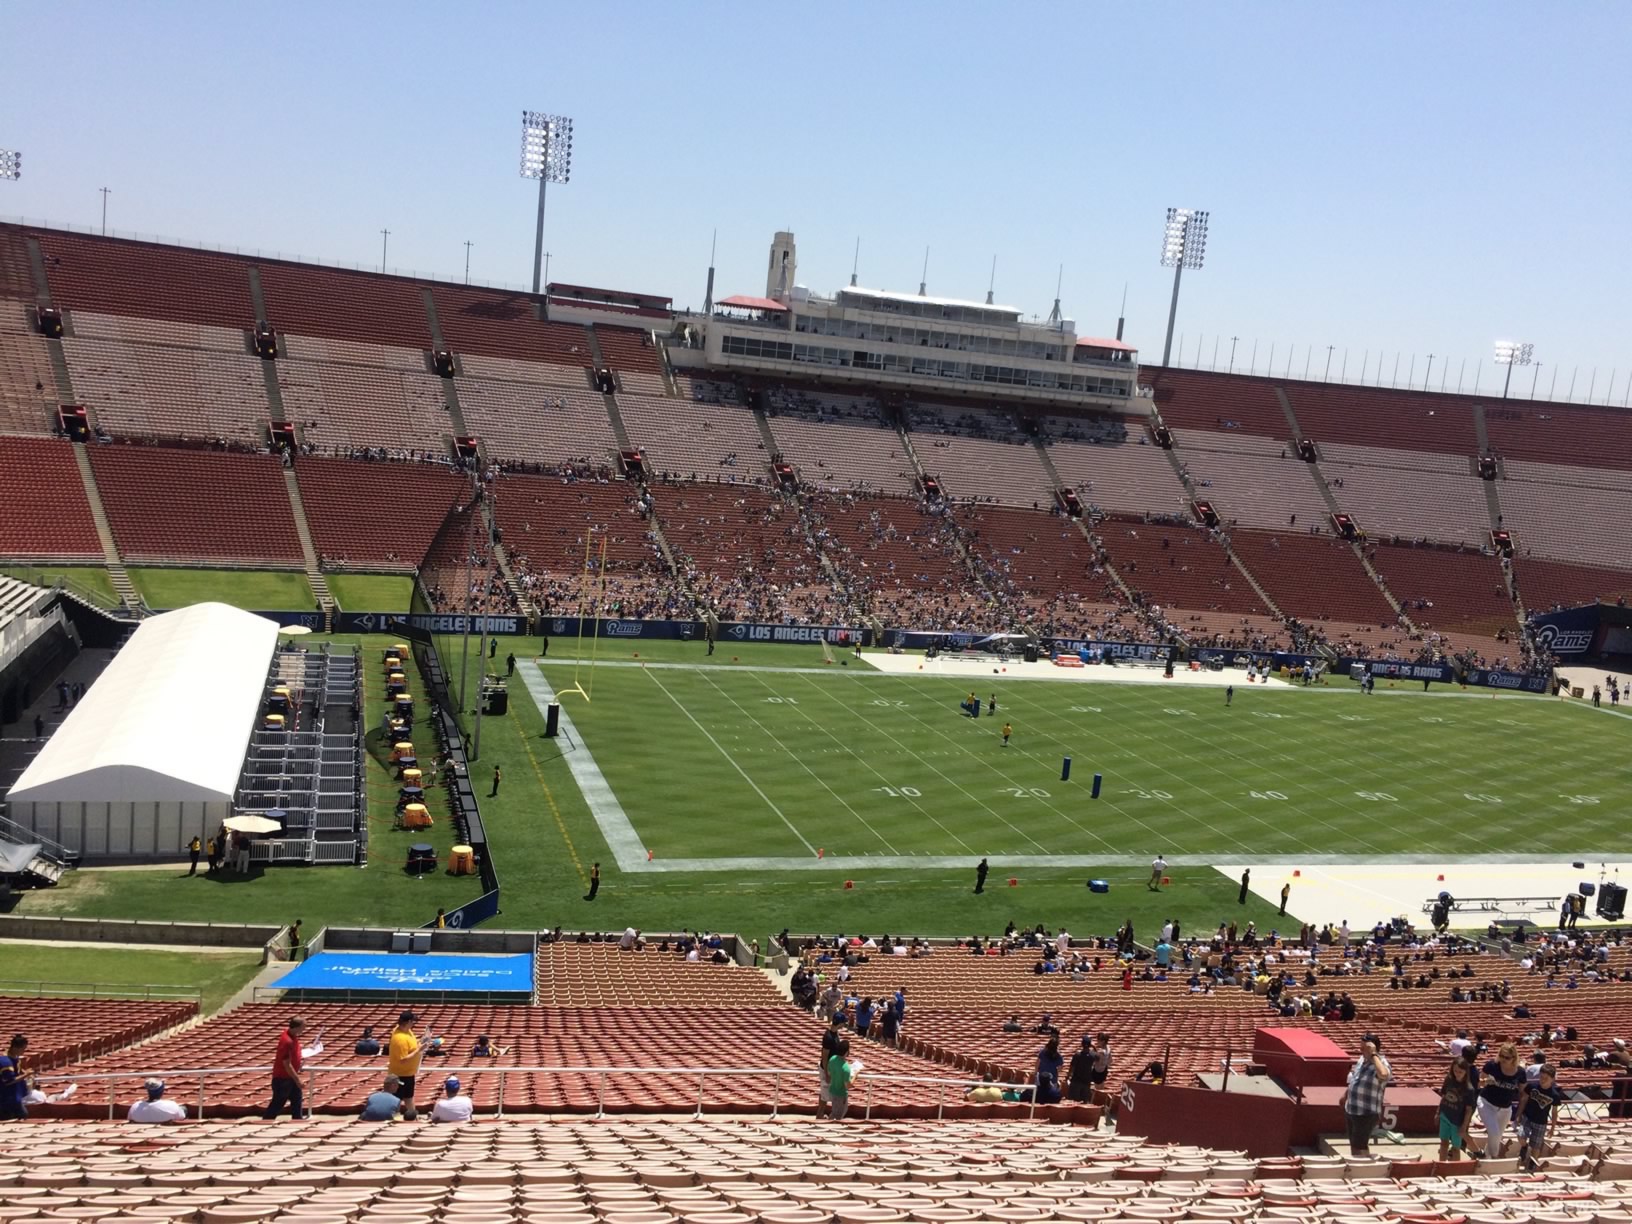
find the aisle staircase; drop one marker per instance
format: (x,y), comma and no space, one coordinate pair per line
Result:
(308,551)
(123,587)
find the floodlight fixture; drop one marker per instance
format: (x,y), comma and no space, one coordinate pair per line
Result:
(546,155)
(11,164)
(1184,245)
(1510,353)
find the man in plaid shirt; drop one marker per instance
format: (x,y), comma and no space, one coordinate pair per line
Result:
(1363,1099)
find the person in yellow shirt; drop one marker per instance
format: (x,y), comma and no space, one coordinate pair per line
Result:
(403,1055)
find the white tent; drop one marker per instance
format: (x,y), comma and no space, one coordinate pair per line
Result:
(151,754)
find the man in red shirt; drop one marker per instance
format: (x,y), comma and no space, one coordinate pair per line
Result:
(286,1070)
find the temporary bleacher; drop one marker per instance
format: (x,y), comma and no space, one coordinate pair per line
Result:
(28,384)
(844,454)
(344,305)
(171,505)
(1409,494)
(1250,479)
(119,276)
(1126,477)
(375,513)
(179,381)
(343,395)
(1464,590)
(537,423)
(694,440)
(1569,513)
(46,514)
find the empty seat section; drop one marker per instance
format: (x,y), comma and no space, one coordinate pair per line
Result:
(1453,592)
(117,276)
(1120,478)
(1190,399)
(548,521)
(605,975)
(194,505)
(344,396)
(1314,578)
(695,441)
(28,384)
(1568,513)
(375,513)
(1546,585)
(979,454)
(1412,495)
(1407,420)
(47,514)
(62,1030)
(16,277)
(629,351)
(838,455)
(745,553)
(1561,433)
(457,574)
(497,323)
(537,423)
(1251,480)
(344,305)
(1178,568)
(161,390)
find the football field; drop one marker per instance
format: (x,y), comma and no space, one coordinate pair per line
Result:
(748,766)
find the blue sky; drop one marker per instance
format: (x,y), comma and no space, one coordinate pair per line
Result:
(1398,177)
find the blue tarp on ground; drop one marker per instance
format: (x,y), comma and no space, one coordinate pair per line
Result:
(410,971)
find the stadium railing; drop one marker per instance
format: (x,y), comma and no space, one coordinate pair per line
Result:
(99,990)
(948,1091)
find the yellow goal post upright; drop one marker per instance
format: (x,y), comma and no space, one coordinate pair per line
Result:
(590,595)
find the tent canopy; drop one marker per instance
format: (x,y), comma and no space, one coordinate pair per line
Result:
(169,720)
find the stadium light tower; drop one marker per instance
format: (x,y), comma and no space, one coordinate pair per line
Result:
(11,164)
(546,155)
(1184,245)
(1510,353)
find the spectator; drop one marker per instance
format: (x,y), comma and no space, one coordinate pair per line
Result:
(1363,1097)
(453,1106)
(1012,1025)
(484,1048)
(153,1109)
(13,1083)
(404,1054)
(1049,1062)
(1456,1097)
(1503,1085)
(385,1104)
(367,1046)
(1079,1084)
(984,1093)
(286,1071)
(1539,1109)
(840,1074)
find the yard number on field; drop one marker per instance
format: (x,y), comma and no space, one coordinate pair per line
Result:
(1141,793)
(782,700)
(887,703)
(1266,794)
(1027,792)
(1579,798)
(901,792)
(1376,796)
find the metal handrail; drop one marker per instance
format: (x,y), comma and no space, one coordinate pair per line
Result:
(112,1078)
(134,992)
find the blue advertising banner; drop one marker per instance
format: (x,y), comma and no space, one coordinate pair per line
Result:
(472,912)
(410,971)
(729,631)
(1567,634)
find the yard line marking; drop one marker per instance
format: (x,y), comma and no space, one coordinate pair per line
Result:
(681,707)
(549,796)
(955,785)
(628,851)
(766,731)
(877,774)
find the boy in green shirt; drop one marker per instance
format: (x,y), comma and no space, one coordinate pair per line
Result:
(839,1075)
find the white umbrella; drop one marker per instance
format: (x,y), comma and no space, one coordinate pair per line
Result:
(295,630)
(251,824)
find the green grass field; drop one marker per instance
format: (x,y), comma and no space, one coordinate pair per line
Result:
(734,771)
(216,975)
(256,590)
(371,592)
(91,578)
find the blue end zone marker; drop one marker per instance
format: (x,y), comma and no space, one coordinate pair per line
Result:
(1098,778)
(1065,770)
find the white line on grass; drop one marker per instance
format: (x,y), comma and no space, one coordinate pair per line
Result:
(679,705)
(797,759)
(628,851)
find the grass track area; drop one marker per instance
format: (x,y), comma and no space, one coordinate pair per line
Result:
(219,975)
(83,577)
(379,894)
(255,590)
(371,592)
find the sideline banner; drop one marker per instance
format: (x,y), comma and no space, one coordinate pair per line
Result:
(410,971)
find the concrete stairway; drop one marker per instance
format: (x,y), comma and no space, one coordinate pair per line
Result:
(308,552)
(123,587)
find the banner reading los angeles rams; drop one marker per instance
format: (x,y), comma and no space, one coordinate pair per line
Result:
(1570,634)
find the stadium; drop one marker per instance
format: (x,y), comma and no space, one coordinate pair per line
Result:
(705,747)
